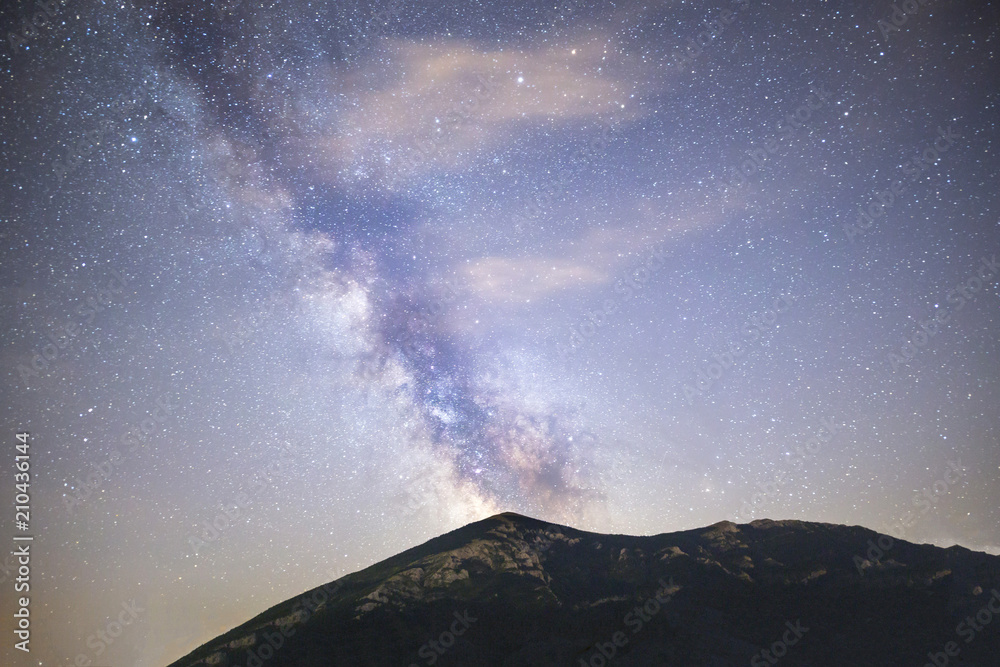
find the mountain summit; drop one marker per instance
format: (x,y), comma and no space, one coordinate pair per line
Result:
(511,590)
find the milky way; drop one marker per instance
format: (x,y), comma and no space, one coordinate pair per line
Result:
(290,287)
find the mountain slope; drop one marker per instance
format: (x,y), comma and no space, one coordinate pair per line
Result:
(511,590)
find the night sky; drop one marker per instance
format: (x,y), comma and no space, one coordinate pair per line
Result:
(338,278)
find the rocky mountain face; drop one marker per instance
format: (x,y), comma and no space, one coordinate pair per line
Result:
(513,591)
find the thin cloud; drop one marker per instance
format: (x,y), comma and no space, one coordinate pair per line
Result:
(519,280)
(443,105)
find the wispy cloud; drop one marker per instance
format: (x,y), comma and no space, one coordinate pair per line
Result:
(407,95)
(596,257)
(521,279)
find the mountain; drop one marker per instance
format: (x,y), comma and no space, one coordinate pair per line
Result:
(512,591)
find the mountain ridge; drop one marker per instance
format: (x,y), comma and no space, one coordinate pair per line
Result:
(543,593)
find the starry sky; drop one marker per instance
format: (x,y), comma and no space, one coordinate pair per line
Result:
(289,287)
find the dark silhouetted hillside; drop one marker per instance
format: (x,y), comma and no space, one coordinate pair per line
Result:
(511,590)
